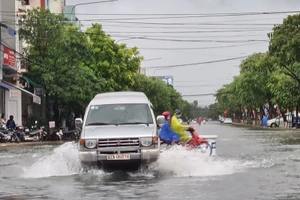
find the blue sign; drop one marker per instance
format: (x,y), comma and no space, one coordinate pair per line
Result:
(11,31)
(166,79)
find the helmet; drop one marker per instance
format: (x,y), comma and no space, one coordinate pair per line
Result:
(178,112)
(166,114)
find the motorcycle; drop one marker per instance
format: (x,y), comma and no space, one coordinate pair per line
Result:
(70,135)
(195,143)
(33,134)
(20,133)
(9,135)
(49,135)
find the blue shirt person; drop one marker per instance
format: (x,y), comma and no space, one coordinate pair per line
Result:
(166,133)
(10,124)
(264,121)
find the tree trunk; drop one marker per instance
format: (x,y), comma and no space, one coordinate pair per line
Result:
(297,116)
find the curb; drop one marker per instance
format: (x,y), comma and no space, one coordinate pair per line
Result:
(32,143)
(260,127)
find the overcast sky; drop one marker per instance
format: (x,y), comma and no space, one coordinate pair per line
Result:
(204,33)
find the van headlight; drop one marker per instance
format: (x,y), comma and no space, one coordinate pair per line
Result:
(90,144)
(146,141)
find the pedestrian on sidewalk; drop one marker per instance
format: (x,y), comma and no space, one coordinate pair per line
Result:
(265,121)
(3,120)
(11,123)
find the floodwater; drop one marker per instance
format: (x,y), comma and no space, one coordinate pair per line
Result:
(250,164)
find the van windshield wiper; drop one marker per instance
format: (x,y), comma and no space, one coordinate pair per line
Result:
(99,123)
(127,123)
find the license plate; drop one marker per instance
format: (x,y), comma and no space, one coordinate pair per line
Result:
(118,157)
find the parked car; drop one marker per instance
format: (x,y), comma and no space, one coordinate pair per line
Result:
(278,121)
(227,121)
(119,129)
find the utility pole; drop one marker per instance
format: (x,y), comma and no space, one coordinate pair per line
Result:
(17,54)
(1,55)
(86,3)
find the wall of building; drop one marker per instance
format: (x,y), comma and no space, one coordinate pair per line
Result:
(56,6)
(8,18)
(13,105)
(36,3)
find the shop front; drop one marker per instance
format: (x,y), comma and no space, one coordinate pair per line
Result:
(21,103)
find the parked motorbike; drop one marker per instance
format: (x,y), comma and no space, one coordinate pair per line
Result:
(20,133)
(9,135)
(69,135)
(50,135)
(33,134)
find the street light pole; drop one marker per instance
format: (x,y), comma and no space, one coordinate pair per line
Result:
(151,59)
(132,38)
(88,3)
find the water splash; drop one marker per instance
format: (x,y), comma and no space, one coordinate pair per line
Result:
(178,162)
(62,162)
(181,162)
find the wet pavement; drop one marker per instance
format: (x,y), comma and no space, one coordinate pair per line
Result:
(250,164)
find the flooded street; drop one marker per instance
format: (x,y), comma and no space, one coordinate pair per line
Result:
(250,164)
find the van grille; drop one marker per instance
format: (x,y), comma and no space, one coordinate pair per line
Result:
(122,142)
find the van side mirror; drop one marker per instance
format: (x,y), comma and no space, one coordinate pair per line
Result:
(160,120)
(78,122)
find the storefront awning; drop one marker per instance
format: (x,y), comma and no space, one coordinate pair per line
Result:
(34,84)
(36,99)
(6,86)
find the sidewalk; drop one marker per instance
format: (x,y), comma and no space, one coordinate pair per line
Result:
(8,144)
(260,126)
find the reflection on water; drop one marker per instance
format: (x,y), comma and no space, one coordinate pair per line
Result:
(250,164)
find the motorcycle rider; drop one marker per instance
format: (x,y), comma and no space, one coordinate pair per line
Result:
(10,124)
(180,129)
(166,134)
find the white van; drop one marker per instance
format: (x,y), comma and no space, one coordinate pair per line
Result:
(119,128)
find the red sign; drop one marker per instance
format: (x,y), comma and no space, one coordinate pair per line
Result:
(8,57)
(225,112)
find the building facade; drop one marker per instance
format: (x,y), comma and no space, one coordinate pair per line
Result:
(19,96)
(70,11)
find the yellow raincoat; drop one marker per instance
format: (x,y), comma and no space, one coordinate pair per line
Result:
(180,129)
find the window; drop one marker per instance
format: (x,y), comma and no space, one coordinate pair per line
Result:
(26,2)
(118,114)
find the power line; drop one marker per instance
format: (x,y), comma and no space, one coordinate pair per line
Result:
(190,36)
(180,14)
(198,29)
(206,94)
(197,63)
(190,30)
(197,48)
(215,78)
(176,86)
(178,40)
(195,95)
(181,24)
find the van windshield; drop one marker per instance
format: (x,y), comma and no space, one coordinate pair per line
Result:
(119,114)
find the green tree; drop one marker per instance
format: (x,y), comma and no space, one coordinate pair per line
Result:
(285,46)
(115,63)
(162,96)
(284,89)
(214,111)
(255,73)
(227,97)
(55,56)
